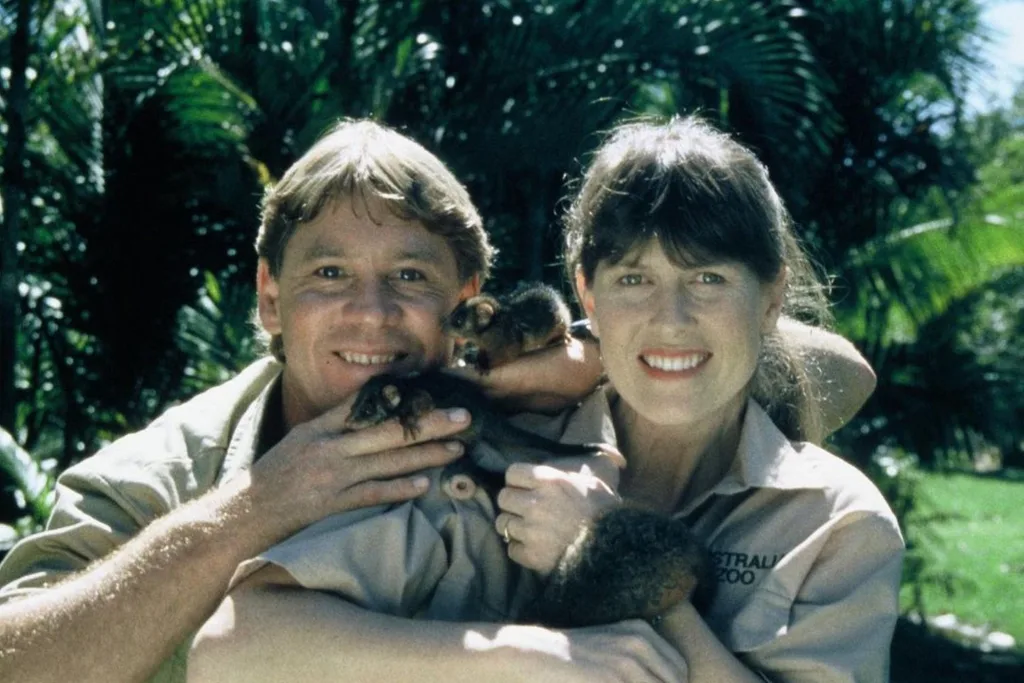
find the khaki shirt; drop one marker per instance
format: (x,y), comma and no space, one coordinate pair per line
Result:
(433,557)
(808,560)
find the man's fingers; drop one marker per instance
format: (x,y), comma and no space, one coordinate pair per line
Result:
(392,463)
(389,435)
(383,492)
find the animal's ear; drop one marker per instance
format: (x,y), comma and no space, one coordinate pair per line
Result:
(392,395)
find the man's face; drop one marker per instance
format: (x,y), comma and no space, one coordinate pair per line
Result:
(357,296)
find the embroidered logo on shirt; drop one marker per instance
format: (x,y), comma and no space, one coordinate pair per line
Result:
(742,568)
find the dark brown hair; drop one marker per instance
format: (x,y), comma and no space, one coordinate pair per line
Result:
(705,198)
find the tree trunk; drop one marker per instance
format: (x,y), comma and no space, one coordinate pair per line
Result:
(13,196)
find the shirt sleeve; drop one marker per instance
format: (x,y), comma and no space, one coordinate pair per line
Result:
(833,613)
(91,518)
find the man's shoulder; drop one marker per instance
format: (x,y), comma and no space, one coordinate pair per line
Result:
(199,428)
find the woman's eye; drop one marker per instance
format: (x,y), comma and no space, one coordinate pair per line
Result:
(411,275)
(329,272)
(631,279)
(707,278)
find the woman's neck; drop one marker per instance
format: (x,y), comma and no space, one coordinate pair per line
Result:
(669,466)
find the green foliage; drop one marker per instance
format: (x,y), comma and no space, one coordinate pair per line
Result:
(156,125)
(33,488)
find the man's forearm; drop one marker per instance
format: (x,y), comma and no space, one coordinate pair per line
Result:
(142,601)
(706,657)
(269,629)
(292,634)
(842,379)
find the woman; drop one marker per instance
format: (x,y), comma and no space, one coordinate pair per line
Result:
(683,260)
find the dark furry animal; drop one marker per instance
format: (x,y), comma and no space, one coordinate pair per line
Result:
(492,442)
(493,330)
(629,564)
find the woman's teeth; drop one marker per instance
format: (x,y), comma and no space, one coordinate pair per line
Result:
(675,363)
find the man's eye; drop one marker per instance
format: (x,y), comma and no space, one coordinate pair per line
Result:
(329,272)
(707,278)
(631,279)
(411,275)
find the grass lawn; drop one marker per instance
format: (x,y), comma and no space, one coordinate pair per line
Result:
(970,529)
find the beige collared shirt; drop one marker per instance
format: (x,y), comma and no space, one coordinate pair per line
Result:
(808,559)
(108,498)
(434,557)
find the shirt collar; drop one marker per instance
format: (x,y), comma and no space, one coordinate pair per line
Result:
(244,444)
(765,458)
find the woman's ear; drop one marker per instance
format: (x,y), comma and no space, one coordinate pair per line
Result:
(586,299)
(774,296)
(267,298)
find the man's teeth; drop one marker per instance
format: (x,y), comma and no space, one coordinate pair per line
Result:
(675,363)
(366,359)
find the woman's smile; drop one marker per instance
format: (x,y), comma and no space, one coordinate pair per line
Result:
(664,364)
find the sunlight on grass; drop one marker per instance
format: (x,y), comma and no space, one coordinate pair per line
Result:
(969,527)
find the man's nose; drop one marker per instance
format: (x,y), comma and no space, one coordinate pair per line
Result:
(372,302)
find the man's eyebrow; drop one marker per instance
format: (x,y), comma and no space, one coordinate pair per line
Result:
(319,250)
(420,254)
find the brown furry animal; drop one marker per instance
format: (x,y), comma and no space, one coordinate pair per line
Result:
(491,331)
(629,564)
(492,442)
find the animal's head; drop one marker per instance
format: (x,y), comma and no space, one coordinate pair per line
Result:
(472,316)
(376,402)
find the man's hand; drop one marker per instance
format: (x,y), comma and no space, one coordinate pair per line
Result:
(544,381)
(544,509)
(318,469)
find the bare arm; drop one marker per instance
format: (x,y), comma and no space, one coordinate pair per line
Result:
(270,630)
(557,378)
(841,377)
(707,658)
(159,587)
(544,381)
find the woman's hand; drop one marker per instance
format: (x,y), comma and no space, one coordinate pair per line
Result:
(544,510)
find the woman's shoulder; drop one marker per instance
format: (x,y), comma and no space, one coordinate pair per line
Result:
(775,462)
(845,485)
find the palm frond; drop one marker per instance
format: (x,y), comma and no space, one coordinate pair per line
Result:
(899,282)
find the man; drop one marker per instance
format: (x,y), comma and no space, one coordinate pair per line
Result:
(365,243)
(242,466)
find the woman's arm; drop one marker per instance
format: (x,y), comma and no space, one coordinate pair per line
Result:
(270,630)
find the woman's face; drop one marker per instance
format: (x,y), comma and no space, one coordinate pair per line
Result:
(680,345)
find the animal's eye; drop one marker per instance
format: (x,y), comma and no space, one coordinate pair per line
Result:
(329,272)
